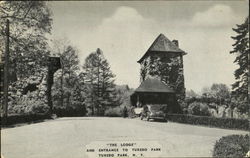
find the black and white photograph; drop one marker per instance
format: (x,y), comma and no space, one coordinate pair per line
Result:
(124,79)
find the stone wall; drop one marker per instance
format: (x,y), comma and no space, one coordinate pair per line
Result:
(168,67)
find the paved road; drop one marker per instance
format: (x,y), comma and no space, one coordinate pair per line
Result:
(68,137)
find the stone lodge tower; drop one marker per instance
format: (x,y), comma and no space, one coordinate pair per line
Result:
(164,60)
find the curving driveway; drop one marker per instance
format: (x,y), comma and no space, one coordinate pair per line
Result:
(67,137)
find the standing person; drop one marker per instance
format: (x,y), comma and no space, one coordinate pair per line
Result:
(125,112)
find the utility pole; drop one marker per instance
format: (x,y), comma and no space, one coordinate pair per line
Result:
(6,74)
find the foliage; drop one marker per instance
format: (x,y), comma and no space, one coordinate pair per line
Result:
(119,111)
(191,94)
(232,146)
(218,91)
(197,108)
(25,100)
(216,106)
(241,49)
(241,104)
(212,97)
(207,100)
(113,112)
(30,21)
(100,87)
(28,104)
(131,111)
(67,91)
(231,123)
(123,95)
(169,68)
(184,107)
(14,119)
(70,111)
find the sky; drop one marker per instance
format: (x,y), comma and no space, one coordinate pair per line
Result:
(124,30)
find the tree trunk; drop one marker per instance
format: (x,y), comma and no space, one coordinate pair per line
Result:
(6,75)
(62,89)
(49,85)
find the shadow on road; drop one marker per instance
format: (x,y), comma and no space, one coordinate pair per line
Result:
(23,124)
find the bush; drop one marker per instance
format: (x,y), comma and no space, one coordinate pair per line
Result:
(241,104)
(231,123)
(30,107)
(232,146)
(206,100)
(14,119)
(28,104)
(113,112)
(198,108)
(131,112)
(70,111)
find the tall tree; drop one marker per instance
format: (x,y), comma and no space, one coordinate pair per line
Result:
(220,91)
(30,21)
(89,78)
(70,69)
(59,47)
(241,49)
(99,81)
(67,90)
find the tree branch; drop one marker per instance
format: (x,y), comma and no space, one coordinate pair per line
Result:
(31,5)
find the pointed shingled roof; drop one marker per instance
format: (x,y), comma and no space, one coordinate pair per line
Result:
(154,85)
(162,44)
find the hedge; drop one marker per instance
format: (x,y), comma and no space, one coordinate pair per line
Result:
(14,119)
(231,123)
(113,112)
(232,146)
(70,112)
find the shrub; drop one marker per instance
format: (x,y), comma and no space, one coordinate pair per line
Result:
(198,108)
(70,111)
(206,99)
(232,146)
(113,112)
(241,104)
(231,123)
(213,105)
(184,107)
(14,119)
(28,104)
(131,112)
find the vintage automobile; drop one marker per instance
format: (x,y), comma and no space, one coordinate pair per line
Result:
(155,112)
